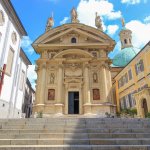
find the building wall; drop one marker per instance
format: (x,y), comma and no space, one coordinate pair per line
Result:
(10,98)
(127,87)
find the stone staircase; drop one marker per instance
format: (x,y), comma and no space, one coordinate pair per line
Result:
(75,134)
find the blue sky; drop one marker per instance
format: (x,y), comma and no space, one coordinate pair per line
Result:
(34,15)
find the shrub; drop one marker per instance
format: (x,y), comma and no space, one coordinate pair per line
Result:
(147,115)
(40,114)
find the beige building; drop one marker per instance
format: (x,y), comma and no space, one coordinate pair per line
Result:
(73,69)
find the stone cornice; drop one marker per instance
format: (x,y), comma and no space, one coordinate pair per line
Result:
(13,16)
(40,47)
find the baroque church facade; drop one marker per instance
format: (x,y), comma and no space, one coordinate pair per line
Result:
(74,74)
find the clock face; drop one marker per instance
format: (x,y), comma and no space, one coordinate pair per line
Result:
(14,38)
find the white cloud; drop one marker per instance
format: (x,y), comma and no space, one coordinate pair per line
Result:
(112,29)
(133,2)
(26,45)
(64,20)
(147,19)
(87,9)
(32,76)
(140,32)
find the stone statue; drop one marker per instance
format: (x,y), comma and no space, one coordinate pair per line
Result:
(50,23)
(123,22)
(95,78)
(74,16)
(98,22)
(52,78)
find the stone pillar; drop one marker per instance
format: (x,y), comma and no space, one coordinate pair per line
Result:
(86,86)
(60,84)
(59,102)
(109,87)
(103,83)
(42,83)
(87,94)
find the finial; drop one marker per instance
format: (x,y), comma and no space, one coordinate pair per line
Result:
(74,16)
(98,22)
(123,22)
(50,23)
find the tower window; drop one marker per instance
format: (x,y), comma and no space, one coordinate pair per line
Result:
(73,40)
(125,41)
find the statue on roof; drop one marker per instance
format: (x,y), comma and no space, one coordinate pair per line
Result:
(74,16)
(50,23)
(98,22)
(123,22)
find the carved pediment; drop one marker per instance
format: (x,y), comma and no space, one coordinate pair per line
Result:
(84,36)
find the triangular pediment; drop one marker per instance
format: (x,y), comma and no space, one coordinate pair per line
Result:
(83,33)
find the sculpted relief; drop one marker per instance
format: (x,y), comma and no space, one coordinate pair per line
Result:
(73,70)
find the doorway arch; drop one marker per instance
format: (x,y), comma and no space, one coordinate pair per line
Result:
(144,107)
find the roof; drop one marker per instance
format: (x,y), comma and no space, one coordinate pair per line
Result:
(15,19)
(124,56)
(25,57)
(148,44)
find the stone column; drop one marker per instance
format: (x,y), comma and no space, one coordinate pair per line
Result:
(59,102)
(60,84)
(42,83)
(103,83)
(87,94)
(86,85)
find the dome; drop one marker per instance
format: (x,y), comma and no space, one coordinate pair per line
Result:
(124,56)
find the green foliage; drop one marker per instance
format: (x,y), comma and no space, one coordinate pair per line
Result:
(40,114)
(129,112)
(147,115)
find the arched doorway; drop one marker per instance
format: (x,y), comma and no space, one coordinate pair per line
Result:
(144,106)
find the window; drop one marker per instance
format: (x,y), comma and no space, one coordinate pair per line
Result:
(130,74)
(2,19)
(139,67)
(22,80)
(73,40)
(10,61)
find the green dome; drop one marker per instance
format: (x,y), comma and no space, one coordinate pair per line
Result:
(124,56)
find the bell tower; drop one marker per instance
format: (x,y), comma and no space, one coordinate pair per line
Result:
(125,36)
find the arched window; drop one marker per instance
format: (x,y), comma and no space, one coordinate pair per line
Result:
(73,40)
(125,41)
(2,19)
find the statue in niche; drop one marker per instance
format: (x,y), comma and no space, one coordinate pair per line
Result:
(95,77)
(51,94)
(52,78)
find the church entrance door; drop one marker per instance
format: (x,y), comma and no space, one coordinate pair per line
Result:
(73,103)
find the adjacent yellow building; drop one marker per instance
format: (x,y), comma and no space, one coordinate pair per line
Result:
(133,84)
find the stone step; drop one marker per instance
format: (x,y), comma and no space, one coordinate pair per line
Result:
(72,136)
(120,141)
(75,147)
(40,127)
(74,130)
